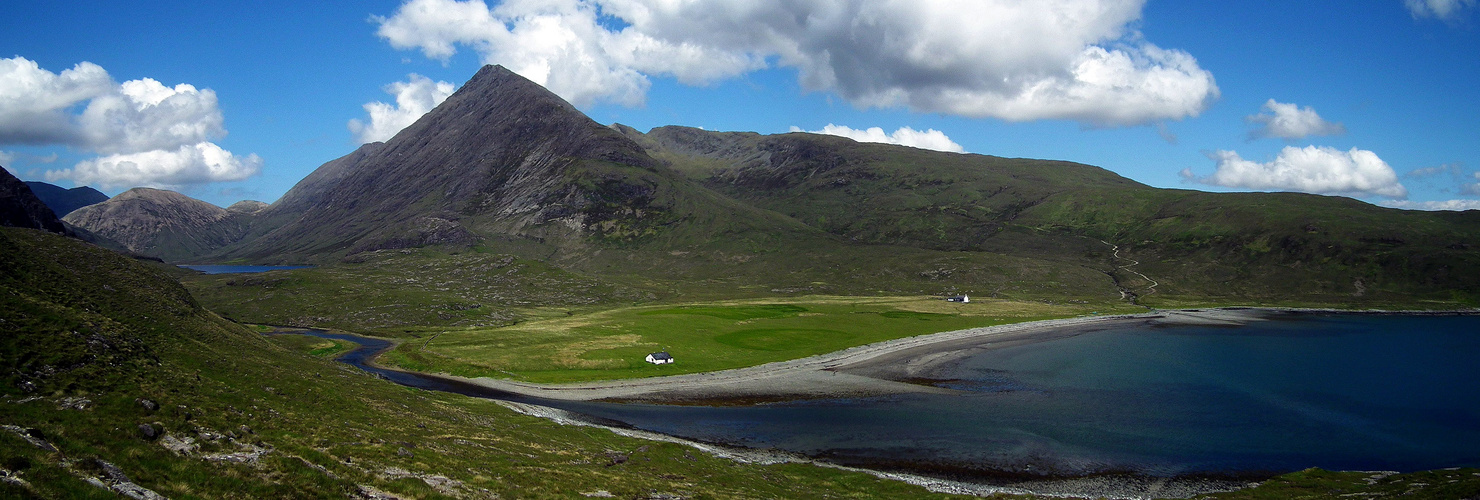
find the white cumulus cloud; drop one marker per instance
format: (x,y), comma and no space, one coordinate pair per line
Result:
(904,136)
(35,103)
(1312,169)
(414,98)
(151,134)
(170,169)
(1458,205)
(145,115)
(1446,10)
(1078,60)
(1290,121)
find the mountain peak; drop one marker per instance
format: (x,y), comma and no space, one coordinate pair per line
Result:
(494,79)
(502,155)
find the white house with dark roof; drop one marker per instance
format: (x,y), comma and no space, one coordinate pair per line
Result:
(660,358)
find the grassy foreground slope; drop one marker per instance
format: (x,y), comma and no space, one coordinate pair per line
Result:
(103,352)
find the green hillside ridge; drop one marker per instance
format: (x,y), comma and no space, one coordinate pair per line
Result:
(1248,248)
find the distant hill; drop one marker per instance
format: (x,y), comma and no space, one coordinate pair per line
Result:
(62,200)
(19,206)
(162,224)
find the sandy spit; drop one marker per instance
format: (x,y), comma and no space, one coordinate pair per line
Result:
(867,370)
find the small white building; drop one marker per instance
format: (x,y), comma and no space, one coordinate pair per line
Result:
(660,358)
(959,298)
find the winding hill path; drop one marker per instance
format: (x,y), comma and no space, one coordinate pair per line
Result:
(1115,253)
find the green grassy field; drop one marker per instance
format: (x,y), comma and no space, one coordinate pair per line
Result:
(703,337)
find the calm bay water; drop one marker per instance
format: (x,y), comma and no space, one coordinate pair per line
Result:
(229,269)
(1345,392)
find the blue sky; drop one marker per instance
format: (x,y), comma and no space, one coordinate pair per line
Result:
(1379,99)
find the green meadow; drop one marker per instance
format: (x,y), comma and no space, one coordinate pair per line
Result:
(702,337)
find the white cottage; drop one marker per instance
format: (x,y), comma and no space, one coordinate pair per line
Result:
(660,358)
(959,298)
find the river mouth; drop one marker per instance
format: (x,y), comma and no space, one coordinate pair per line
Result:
(1185,409)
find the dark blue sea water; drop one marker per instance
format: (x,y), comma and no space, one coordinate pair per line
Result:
(1345,392)
(225,269)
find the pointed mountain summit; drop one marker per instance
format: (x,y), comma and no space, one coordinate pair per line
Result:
(501,158)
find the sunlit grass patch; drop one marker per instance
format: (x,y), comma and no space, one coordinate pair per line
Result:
(710,336)
(734,312)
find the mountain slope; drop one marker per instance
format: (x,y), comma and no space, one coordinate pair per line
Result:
(19,207)
(1245,247)
(876,193)
(501,159)
(62,200)
(161,223)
